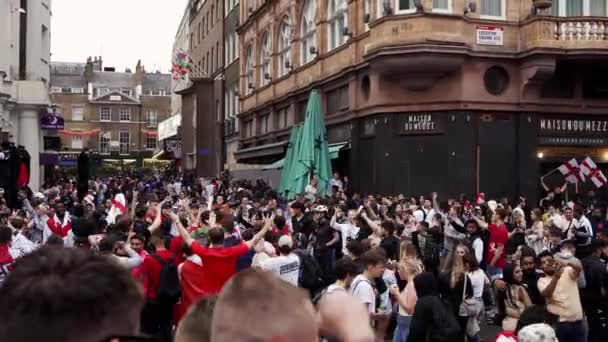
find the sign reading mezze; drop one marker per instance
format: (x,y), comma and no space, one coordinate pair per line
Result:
(414,124)
(586,126)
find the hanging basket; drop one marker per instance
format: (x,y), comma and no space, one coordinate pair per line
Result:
(541,4)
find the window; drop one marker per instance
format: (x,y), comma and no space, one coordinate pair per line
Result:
(150,142)
(282,117)
(266,59)
(105,114)
(336,22)
(77,90)
(55,90)
(101,91)
(577,8)
(212,10)
(248,132)
(124,114)
(405,6)
(209,62)
(284,47)
(66,90)
(492,9)
(337,100)
(126,91)
(77,113)
(444,6)
(198,33)
(217,55)
(265,124)
(77,142)
(124,138)
(151,118)
(227,49)
(227,102)
(308,30)
(207,26)
(367,13)
(249,71)
(213,61)
(104,142)
(235,100)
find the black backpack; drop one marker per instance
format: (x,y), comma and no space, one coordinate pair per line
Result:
(169,289)
(445,324)
(311,276)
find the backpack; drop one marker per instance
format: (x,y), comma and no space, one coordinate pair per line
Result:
(169,289)
(311,276)
(445,324)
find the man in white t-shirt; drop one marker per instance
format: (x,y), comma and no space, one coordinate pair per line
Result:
(346,272)
(287,265)
(349,230)
(362,288)
(425,213)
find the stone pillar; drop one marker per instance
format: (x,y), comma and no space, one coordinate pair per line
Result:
(29,137)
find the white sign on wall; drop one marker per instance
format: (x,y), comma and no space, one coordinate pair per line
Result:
(490,35)
(168,128)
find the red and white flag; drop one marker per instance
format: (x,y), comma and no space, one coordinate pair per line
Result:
(571,171)
(590,170)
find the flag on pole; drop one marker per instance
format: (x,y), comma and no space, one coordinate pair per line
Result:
(572,172)
(590,170)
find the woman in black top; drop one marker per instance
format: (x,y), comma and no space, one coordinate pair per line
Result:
(451,284)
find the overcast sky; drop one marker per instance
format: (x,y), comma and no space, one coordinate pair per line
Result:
(121,31)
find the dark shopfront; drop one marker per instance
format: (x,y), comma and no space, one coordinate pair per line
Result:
(463,152)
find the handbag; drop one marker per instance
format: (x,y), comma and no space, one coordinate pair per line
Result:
(468,307)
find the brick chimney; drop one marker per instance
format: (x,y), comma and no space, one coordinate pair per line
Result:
(138,79)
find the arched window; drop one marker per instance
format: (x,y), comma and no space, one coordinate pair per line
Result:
(308,31)
(284,47)
(266,59)
(336,20)
(249,70)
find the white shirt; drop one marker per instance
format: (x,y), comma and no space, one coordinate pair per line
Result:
(21,246)
(335,288)
(348,231)
(585,223)
(478,280)
(478,248)
(286,267)
(428,218)
(363,291)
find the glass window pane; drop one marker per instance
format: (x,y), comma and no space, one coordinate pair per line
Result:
(405,5)
(574,8)
(598,8)
(440,4)
(491,8)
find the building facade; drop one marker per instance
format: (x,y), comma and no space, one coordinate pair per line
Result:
(454,96)
(202,98)
(25,50)
(231,82)
(113,114)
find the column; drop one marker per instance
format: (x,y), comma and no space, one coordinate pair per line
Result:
(29,137)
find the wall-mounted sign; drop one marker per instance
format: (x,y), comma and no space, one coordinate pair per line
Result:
(490,35)
(416,124)
(51,121)
(169,127)
(573,141)
(585,126)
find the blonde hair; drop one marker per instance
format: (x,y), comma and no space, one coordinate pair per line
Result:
(410,266)
(407,250)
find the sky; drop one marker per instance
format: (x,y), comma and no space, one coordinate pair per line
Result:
(121,31)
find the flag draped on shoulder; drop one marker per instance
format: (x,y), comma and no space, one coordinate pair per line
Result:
(571,171)
(590,170)
(119,208)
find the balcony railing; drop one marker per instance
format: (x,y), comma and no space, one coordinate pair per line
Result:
(576,29)
(229,127)
(572,33)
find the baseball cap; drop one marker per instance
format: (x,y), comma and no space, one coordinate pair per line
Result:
(321,209)
(285,241)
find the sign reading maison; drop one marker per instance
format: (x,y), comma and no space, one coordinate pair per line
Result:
(420,124)
(584,126)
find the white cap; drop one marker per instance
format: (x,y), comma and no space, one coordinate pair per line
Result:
(285,241)
(39,195)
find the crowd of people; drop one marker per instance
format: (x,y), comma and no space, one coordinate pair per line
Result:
(185,259)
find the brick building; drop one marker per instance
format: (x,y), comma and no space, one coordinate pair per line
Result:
(430,95)
(114,114)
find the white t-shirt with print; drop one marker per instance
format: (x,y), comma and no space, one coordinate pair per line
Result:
(286,267)
(361,288)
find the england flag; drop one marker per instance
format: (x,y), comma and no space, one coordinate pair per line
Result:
(590,170)
(572,172)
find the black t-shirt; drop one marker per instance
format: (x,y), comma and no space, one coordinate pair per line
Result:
(390,245)
(324,234)
(303,225)
(515,240)
(530,281)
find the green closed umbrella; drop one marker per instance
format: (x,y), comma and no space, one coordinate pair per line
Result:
(313,153)
(286,186)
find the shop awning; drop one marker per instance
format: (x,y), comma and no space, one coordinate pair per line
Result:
(334,150)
